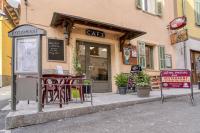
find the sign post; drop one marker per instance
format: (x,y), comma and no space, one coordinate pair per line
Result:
(26,61)
(179,79)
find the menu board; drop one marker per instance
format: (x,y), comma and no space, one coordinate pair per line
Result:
(26,54)
(56,50)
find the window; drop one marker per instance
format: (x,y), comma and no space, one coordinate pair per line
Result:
(151,6)
(161,54)
(149,56)
(197,12)
(145,53)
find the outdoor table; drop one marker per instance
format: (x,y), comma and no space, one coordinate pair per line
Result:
(61,87)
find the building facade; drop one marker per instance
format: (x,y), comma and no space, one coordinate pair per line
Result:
(190,9)
(106,36)
(7,23)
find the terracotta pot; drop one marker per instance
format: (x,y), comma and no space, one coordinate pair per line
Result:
(143,91)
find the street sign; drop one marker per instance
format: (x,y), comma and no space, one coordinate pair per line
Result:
(176,79)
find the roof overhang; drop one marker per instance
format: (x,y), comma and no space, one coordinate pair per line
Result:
(59,18)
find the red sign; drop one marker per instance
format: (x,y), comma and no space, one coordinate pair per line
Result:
(178,23)
(176,79)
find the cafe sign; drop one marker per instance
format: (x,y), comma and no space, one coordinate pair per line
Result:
(176,79)
(179,36)
(95,33)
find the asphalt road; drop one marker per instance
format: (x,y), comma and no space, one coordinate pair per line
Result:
(174,116)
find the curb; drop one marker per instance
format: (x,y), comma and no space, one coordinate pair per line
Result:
(43,117)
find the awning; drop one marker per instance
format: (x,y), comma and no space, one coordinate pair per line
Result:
(59,18)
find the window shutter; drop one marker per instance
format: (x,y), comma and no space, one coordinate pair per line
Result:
(139,4)
(159,7)
(141,54)
(197,12)
(161,54)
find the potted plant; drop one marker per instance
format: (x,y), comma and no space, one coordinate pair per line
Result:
(121,80)
(142,82)
(87,86)
(77,64)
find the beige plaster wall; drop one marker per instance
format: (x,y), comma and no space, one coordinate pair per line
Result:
(119,12)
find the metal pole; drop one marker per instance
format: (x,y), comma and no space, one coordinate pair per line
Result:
(39,74)
(13,84)
(184,43)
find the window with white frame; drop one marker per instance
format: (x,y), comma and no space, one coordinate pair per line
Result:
(151,6)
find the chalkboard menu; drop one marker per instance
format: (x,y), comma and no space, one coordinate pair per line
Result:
(56,50)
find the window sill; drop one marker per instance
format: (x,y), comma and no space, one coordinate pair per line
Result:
(152,14)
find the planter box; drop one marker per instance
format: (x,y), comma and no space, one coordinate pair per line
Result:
(143,91)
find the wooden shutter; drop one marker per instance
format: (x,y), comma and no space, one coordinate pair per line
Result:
(161,54)
(197,12)
(159,7)
(139,4)
(141,54)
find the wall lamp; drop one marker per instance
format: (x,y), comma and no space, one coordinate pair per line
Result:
(67,30)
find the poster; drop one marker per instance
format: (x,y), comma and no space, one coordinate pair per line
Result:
(127,54)
(26,55)
(130,55)
(168,61)
(176,78)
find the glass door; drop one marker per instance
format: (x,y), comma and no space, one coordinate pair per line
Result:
(95,63)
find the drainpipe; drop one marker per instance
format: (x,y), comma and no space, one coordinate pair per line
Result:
(184,43)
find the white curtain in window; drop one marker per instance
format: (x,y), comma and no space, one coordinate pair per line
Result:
(151,6)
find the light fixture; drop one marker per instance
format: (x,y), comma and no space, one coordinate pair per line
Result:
(66,35)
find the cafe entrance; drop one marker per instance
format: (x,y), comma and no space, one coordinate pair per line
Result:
(195,66)
(95,60)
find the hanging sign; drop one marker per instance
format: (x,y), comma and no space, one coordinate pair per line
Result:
(95,33)
(178,23)
(176,79)
(179,36)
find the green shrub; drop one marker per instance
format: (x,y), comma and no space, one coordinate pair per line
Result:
(142,79)
(121,80)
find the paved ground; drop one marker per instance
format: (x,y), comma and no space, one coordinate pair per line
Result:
(174,116)
(4,97)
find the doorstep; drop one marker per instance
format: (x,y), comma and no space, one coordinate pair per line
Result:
(27,114)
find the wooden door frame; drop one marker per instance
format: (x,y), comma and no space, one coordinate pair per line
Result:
(93,43)
(191,59)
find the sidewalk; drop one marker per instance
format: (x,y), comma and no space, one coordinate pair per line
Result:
(5,93)
(27,114)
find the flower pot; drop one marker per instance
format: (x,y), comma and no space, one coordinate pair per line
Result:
(122,90)
(87,89)
(143,91)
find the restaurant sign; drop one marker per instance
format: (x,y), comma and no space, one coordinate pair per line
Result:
(178,23)
(175,79)
(179,36)
(95,33)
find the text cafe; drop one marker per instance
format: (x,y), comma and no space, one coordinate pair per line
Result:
(77,45)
